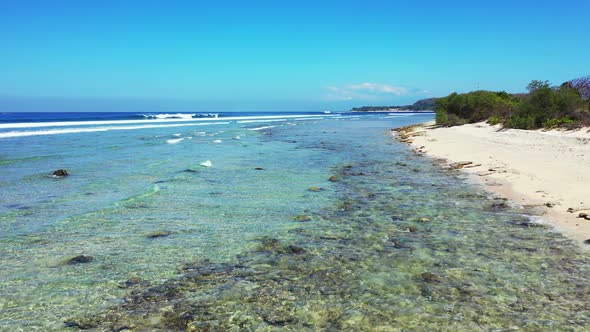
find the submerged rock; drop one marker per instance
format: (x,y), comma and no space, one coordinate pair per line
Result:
(315,189)
(157,234)
(430,277)
(258,169)
(333,178)
(302,218)
(424,220)
(79,325)
(60,173)
(81,259)
(498,206)
(529,223)
(295,249)
(132,281)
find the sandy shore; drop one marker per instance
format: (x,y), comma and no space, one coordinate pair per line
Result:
(549,169)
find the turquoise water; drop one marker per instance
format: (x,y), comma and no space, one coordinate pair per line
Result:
(250,247)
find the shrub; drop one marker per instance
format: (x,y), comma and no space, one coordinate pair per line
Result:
(455,120)
(545,107)
(442,117)
(477,106)
(561,122)
(520,122)
(494,120)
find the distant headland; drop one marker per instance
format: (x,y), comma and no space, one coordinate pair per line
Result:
(423,105)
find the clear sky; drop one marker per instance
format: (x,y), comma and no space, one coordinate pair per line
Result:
(286,55)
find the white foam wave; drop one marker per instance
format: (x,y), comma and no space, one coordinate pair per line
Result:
(256,121)
(261,128)
(303,119)
(149,121)
(393,117)
(174,141)
(170,116)
(96,129)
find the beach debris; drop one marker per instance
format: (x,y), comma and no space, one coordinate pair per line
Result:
(570,210)
(158,234)
(424,220)
(549,204)
(206,163)
(587,241)
(472,166)
(460,164)
(430,277)
(333,178)
(80,259)
(582,215)
(302,218)
(60,173)
(315,189)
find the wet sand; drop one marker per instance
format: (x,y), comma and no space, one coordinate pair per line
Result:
(549,170)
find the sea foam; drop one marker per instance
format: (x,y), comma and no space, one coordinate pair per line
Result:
(96,129)
(153,120)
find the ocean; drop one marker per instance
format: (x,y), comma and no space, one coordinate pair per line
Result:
(264,221)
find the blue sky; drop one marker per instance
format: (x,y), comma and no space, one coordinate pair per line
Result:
(285,55)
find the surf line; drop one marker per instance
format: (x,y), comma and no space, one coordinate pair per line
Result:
(98,129)
(149,121)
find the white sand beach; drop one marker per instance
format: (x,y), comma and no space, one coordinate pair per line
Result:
(544,168)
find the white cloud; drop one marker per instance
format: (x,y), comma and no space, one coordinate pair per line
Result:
(379,88)
(369,91)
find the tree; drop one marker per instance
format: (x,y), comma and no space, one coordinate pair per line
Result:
(537,85)
(582,84)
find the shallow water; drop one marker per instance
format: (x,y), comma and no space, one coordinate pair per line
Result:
(242,254)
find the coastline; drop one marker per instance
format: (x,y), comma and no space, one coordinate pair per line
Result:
(545,170)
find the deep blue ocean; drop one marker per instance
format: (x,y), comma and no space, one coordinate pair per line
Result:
(264,221)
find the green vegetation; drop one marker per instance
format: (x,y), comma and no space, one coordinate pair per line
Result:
(543,107)
(474,107)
